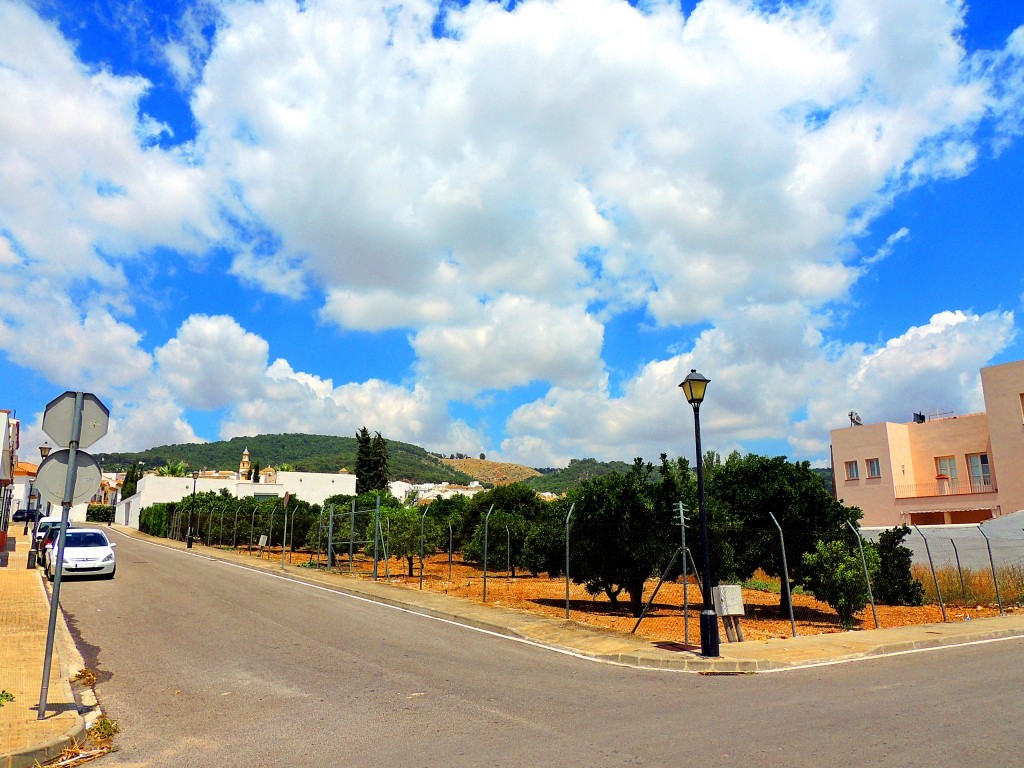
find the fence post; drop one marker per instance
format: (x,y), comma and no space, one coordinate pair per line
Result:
(931,564)
(422,520)
(686,578)
(234,532)
(376,536)
(959,571)
(508,552)
(785,574)
(252,525)
(487,520)
(867,577)
(330,539)
(352,536)
(992,563)
(572,507)
(451,539)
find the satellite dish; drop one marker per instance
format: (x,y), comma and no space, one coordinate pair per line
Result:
(855,419)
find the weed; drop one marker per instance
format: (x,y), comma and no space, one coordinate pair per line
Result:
(5,696)
(104,729)
(85,677)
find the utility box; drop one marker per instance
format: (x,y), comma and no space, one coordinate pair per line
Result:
(728,600)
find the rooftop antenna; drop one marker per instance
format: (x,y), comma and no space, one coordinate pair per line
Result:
(855,419)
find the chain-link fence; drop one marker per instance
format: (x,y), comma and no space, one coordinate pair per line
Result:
(640,574)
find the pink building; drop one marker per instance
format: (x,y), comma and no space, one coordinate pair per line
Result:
(955,469)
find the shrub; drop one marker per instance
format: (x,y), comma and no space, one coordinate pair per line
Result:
(895,583)
(835,575)
(99,513)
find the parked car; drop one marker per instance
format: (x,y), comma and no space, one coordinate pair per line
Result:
(87,552)
(45,524)
(21,515)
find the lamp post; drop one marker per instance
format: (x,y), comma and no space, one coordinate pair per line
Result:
(694,386)
(188,539)
(44,451)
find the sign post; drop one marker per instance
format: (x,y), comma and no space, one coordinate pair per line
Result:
(75,420)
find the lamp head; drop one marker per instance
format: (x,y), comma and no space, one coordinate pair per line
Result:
(195,474)
(694,386)
(44,450)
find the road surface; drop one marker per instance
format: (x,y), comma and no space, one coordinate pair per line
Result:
(204,663)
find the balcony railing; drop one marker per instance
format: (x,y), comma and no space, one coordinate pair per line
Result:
(944,488)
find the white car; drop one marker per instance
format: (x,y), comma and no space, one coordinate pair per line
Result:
(87,552)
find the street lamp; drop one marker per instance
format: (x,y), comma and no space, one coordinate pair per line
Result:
(188,539)
(694,386)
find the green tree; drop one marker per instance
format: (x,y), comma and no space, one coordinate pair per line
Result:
(363,461)
(400,527)
(379,469)
(130,482)
(621,534)
(514,499)
(173,469)
(834,572)
(744,489)
(255,474)
(895,583)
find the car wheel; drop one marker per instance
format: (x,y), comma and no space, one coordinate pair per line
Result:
(110,575)
(49,574)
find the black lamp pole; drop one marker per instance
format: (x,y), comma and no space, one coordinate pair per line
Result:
(694,386)
(188,539)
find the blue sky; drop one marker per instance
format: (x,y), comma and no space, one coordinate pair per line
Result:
(509,229)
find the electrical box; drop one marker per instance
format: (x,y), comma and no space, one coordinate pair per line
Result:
(728,600)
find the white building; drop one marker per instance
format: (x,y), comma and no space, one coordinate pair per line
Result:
(312,487)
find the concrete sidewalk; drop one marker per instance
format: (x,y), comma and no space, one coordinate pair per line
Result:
(24,613)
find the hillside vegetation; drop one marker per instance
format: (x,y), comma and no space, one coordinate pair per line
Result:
(305,453)
(492,472)
(561,480)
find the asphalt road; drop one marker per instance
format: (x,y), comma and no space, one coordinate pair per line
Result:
(207,664)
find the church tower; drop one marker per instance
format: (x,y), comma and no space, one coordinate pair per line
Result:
(245,466)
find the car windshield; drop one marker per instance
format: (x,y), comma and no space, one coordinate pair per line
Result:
(85,539)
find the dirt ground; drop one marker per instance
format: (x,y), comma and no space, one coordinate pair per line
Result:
(665,620)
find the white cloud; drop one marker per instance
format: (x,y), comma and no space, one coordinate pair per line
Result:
(772,381)
(511,342)
(212,362)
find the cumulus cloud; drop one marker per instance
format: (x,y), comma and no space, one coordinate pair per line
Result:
(499,193)
(760,391)
(212,362)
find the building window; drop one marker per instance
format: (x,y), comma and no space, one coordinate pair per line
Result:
(851,471)
(946,465)
(981,472)
(874,467)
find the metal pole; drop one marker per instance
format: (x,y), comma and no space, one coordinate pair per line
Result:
(352,536)
(330,539)
(785,574)
(686,595)
(58,564)
(959,571)
(867,577)
(931,564)
(423,518)
(508,552)
(376,536)
(188,539)
(486,523)
(234,532)
(708,618)
(572,507)
(451,538)
(284,535)
(992,563)
(291,539)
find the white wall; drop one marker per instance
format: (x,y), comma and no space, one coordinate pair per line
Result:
(312,487)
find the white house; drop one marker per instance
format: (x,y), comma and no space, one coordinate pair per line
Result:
(313,487)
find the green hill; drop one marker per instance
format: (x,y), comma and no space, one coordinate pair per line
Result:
(561,480)
(306,453)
